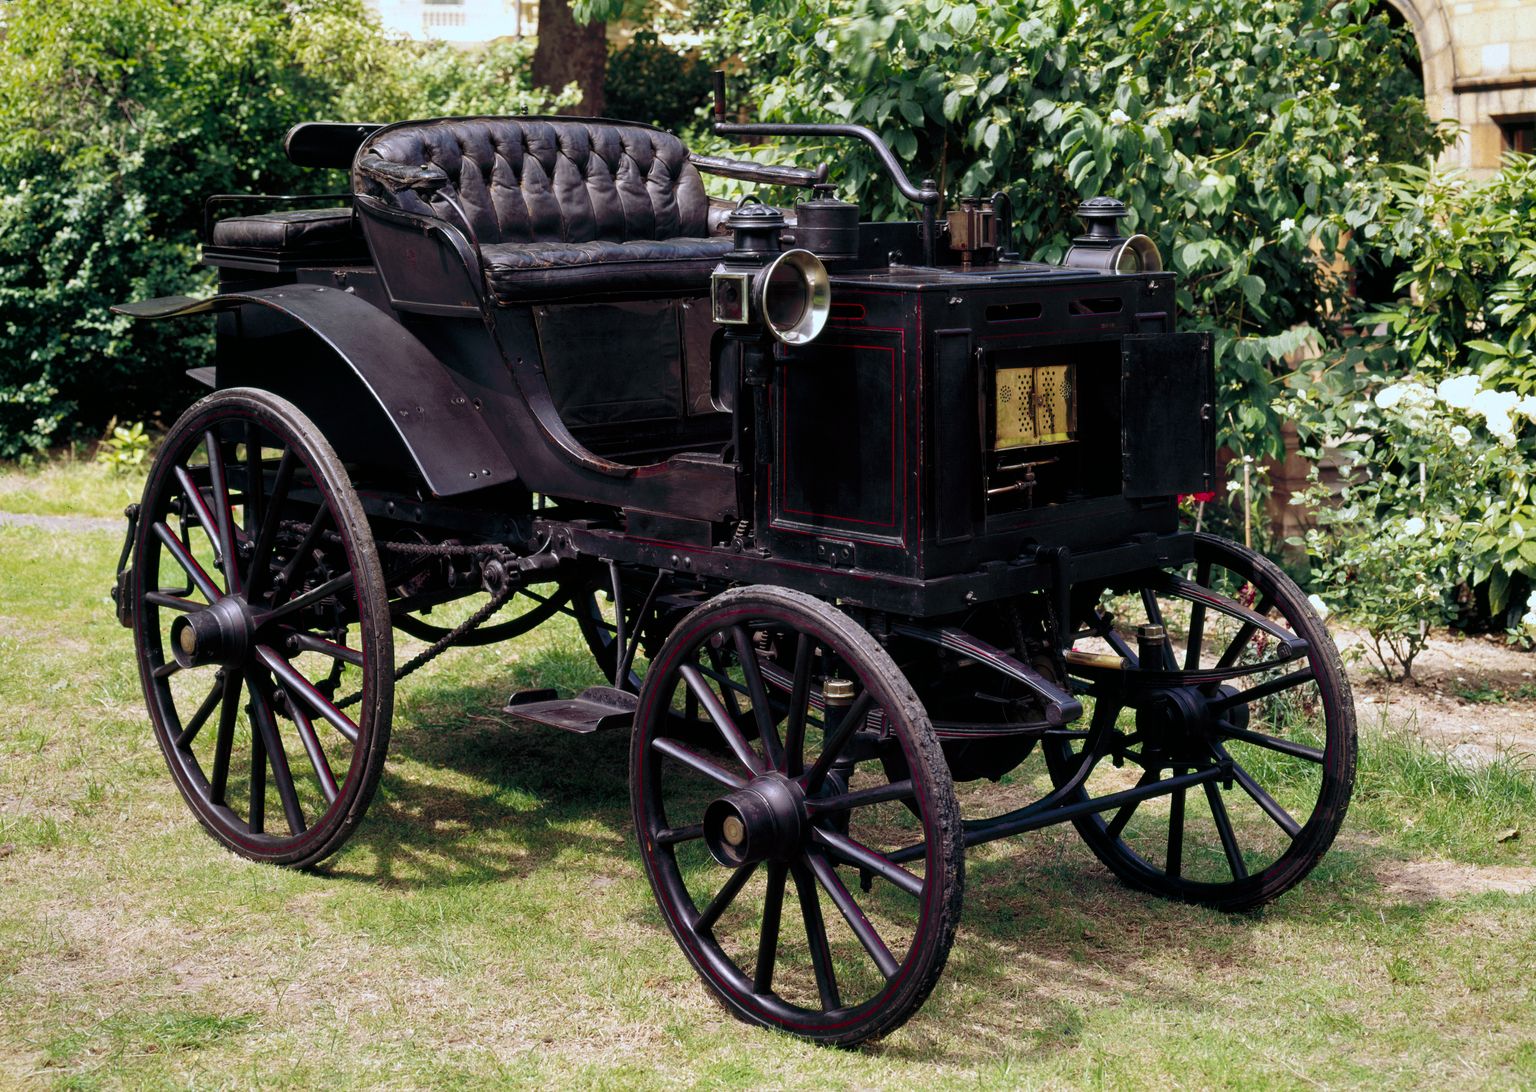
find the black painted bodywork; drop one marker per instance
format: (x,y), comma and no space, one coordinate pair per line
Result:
(589,419)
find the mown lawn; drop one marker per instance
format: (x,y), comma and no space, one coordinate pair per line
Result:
(491,925)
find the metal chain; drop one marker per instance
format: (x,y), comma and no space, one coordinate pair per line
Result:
(443,643)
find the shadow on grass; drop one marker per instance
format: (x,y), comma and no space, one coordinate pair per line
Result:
(500,798)
(1047,933)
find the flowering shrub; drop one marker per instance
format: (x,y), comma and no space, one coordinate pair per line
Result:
(1435,497)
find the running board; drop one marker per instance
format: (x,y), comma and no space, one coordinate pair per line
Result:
(595,709)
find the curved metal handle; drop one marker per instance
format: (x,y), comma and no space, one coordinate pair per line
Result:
(926,195)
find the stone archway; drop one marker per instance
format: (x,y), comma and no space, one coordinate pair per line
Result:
(1432,30)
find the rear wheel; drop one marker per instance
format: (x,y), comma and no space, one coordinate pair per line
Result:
(262,629)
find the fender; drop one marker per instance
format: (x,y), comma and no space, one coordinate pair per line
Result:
(443,433)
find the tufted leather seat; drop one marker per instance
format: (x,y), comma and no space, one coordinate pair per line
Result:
(557,206)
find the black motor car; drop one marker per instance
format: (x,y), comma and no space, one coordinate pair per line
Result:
(856,517)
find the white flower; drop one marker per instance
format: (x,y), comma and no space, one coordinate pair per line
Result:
(1460,436)
(1287,226)
(1388,397)
(1322,608)
(1118,116)
(1333,86)
(1413,526)
(1526,407)
(1492,403)
(1458,390)
(1530,612)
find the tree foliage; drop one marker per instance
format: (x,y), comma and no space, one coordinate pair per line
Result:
(1232,129)
(119,119)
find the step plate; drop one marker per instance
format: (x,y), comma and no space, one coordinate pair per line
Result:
(595,709)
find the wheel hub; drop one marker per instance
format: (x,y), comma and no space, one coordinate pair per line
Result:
(766,820)
(221,634)
(1176,721)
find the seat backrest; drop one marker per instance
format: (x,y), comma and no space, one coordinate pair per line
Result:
(546,180)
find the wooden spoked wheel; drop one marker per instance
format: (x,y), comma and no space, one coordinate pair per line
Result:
(1245,700)
(810,891)
(262,629)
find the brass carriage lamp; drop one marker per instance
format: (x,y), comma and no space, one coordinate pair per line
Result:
(1103,248)
(783,294)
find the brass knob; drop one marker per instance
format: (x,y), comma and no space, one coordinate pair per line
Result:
(837,692)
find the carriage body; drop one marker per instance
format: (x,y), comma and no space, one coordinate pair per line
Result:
(900,543)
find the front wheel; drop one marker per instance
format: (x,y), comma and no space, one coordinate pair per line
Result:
(759,775)
(1220,683)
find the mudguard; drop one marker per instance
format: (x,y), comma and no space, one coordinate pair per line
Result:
(444,434)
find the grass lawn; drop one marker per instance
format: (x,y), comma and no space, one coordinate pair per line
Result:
(490,924)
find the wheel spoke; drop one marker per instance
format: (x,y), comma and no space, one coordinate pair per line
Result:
(317,759)
(832,745)
(205,517)
(671,836)
(306,642)
(329,588)
(843,899)
(298,685)
(316,529)
(1272,808)
(695,761)
(1174,863)
(799,706)
(768,940)
(1197,618)
(816,937)
(1273,743)
(1224,829)
(862,798)
(854,853)
(223,512)
(1244,635)
(225,741)
(257,582)
(253,480)
(189,732)
(723,899)
(282,774)
(1262,690)
(724,724)
(171,602)
(178,550)
(767,729)
(258,819)
(166,670)
(1123,816)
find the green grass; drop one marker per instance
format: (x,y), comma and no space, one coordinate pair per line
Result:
(68,488)
(490,924)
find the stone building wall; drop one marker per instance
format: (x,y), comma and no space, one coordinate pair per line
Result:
(1479,61)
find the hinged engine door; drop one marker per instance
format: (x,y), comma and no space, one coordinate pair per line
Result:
(1168,414)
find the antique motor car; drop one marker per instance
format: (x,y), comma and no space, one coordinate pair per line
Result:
(871,527)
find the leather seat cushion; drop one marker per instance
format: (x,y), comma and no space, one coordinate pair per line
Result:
(524,271)
(538,180)
(303,229)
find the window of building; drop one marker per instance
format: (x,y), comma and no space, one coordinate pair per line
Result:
(1519,135)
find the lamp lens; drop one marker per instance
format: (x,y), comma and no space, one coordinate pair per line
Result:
(786,296)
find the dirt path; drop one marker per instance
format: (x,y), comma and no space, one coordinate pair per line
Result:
(1475,696)
(61,523)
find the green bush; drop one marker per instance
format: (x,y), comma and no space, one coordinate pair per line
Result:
(119,119)
(649,82)
(1232,129)
(1432,407)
